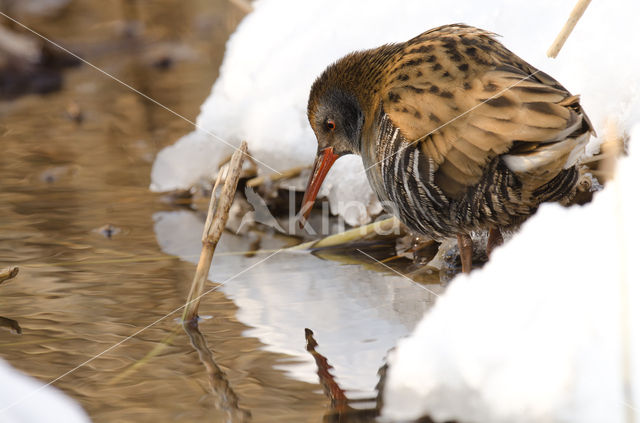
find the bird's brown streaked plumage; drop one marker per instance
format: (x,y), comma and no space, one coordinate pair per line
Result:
(456,132)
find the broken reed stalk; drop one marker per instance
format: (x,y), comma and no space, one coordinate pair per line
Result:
(575,15)
(213,228)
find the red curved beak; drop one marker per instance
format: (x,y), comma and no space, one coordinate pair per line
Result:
(321,167)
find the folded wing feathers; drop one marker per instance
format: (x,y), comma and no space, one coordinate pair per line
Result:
(465,117)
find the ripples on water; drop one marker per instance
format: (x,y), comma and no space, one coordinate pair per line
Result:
(65,184)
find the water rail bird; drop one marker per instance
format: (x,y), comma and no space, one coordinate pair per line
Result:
(456,133)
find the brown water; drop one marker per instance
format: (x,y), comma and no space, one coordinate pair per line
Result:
(79,293)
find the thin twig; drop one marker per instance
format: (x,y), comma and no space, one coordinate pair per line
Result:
(213,228)
(575,15)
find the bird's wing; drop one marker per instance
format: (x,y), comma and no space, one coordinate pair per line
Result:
(466,99)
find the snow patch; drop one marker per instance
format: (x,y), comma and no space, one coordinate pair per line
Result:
(283,45)
(547,331)
(27,400)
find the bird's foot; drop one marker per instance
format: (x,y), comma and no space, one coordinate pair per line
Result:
(465,246)
(494,240)
(450,262)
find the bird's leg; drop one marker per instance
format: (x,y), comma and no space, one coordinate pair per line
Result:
(465,245)
(495,240)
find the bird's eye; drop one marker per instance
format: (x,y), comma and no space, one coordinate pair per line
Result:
(330,124)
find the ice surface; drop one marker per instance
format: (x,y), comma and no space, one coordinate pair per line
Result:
(279,49)
(547,331)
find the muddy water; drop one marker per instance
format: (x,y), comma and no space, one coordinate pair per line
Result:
(66,184)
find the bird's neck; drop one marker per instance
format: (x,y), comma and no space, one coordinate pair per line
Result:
(363,75)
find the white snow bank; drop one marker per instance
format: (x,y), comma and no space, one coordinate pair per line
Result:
(279,49)
(547,331)
(26,400)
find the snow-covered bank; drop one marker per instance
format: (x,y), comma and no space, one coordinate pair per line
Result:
(280,48)
(547,331)
(25,400)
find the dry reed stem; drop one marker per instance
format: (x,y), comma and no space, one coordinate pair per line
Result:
(386,226)
(290,173)
(575,15)
(213,228)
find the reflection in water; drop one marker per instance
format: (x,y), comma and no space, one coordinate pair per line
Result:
(225,397)
(331,388)
(10,324)
(5,275)
(360,314)
(341,409)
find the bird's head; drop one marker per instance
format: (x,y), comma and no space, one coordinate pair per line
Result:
(337,120)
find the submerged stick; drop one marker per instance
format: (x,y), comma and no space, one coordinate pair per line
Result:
(213,228)
(575,15)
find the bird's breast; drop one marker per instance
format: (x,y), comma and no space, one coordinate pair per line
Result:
(403,178)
